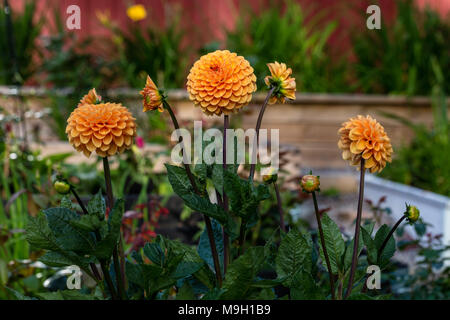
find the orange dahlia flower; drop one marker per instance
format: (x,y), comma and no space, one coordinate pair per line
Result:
(221,82)
(280,79)
(91,98)
(364,138)
(106,128)
(153,98)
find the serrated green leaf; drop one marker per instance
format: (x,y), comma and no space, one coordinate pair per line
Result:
(39,235)
(185,292)
(294,252)
(370,246)
(66,202)
(389,250)
(334,242)
(105,247)
(241,274)
(86,223)
(97,205)
(68,237)
(304,287)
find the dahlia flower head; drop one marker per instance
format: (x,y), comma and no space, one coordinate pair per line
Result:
(103,128)
(221,82)
(365,138)
(153,98)
(280,79)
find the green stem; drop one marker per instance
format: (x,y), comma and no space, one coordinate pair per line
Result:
(212,241)
(280,206)
(258,126)
(102,263)
(357,230)
(110,197)
(383,245)
(324,247)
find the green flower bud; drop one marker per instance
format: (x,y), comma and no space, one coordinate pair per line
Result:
(310,183)
(61,187)
(270,177)
(412,213)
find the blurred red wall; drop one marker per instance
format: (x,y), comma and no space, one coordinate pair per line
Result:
(204,19)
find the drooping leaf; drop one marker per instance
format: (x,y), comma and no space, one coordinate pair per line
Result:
(241,274)
(334,243)
(389,250)
(294,253)
(204,247)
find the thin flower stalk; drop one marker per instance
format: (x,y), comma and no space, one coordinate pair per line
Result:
(357,229)
(120,276)
(226,238)
(324,247)
(258,126)
(208,224)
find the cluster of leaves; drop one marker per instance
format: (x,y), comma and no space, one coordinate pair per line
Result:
(282,32)
(23,33)
(429,279)
(397,58)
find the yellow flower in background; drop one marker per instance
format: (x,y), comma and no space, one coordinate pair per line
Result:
(137,12)
(152,97)
(104,18)
(280,79)
(106,128)
(221,82)
(365,138)
(91,98)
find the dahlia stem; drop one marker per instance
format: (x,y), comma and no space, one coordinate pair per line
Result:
(212,241)
(324,247)
(117,268)
(83,208)
(383,245)
(357,229)
(258,126)
(280,207)
(226,238)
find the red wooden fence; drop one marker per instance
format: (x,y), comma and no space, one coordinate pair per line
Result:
(205,19)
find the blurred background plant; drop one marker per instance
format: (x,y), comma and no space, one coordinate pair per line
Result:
(289,33)
(24,32)
(423,162)
(149,49)
(72,65)
(397,58)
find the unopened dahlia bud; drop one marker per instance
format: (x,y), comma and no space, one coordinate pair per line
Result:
(61,187)
(412,213)
(310,183)
(271,176)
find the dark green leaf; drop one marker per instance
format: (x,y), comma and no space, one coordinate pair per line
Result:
(334,242)
(294,253)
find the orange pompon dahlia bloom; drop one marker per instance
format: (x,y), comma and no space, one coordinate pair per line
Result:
(280,79)
(365,138)
(221,82)
(91,98)
(106,128)
(153,99)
